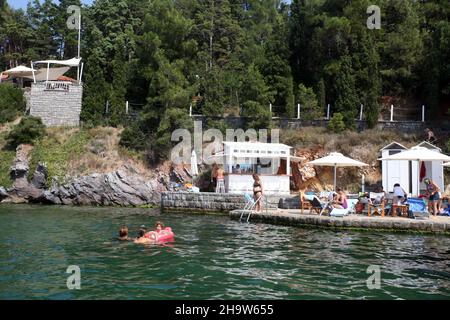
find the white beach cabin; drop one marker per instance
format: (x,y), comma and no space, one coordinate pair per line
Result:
(269,160)
(407,173)
(397,171)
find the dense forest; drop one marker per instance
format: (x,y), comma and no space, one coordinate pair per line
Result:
(235,57)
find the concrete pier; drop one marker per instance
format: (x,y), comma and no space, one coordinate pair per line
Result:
(232,204)
(438,225)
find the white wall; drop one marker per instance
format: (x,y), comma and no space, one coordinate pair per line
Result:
(395,171)
(272,185)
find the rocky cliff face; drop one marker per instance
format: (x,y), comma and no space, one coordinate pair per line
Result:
(123,187)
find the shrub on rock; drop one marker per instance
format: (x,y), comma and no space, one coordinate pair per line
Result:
(27,131)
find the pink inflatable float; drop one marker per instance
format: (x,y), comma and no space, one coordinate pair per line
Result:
(165,235)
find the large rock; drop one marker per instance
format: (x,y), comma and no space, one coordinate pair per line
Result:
(124,187)
(3,193)
(19,169)
(22,190)
(39,179)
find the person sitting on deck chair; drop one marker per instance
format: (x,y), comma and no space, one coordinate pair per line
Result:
(341,200)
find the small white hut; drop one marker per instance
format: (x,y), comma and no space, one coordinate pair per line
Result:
(271,161)
(407,173)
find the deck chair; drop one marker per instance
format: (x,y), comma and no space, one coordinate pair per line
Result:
(304,203)
(345,212)
(316,205)
(417,208)
(250,203)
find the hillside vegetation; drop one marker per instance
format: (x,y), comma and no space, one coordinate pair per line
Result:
(237,57)
(78,152)
(72,152)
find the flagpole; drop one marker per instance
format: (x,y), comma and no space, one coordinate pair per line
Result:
(79,46)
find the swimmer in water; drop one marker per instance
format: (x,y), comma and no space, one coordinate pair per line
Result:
(123,234)
(146,237)
(159,226)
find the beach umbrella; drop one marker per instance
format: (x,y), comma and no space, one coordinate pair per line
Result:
(419,154)
(19,71)
(336,160)
(194,168)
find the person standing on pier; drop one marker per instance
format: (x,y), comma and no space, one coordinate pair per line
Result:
(257,192)
(220,186)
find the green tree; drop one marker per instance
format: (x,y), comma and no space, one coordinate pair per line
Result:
(12,102)
(346,98)
(310,109)
(337,123)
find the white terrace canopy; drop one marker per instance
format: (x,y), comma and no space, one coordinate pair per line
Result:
(36,74)
(74,62)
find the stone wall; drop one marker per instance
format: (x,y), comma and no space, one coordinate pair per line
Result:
(289,123)
(209,202)
(56,107)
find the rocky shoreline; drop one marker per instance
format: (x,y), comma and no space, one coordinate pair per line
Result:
(123,187)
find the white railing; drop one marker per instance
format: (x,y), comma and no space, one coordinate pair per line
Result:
(57,86)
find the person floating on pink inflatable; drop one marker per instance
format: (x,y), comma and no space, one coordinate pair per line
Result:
(161,234)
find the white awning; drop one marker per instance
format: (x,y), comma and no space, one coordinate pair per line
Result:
(74,62)
(53,73)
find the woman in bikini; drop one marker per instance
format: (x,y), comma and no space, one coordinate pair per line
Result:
(434,195)
(257,191)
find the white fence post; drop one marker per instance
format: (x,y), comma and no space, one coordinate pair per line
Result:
(190,110)
(270,108)
(126,107)
(298,111)
(423,113)
(392,112)
(361,113)
(328,112)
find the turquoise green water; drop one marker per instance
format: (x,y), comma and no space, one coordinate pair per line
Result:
(212,258)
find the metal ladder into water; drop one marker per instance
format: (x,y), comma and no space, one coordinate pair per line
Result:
(249,205)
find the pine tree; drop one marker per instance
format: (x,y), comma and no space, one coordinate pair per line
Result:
(346,99)
(310,109)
